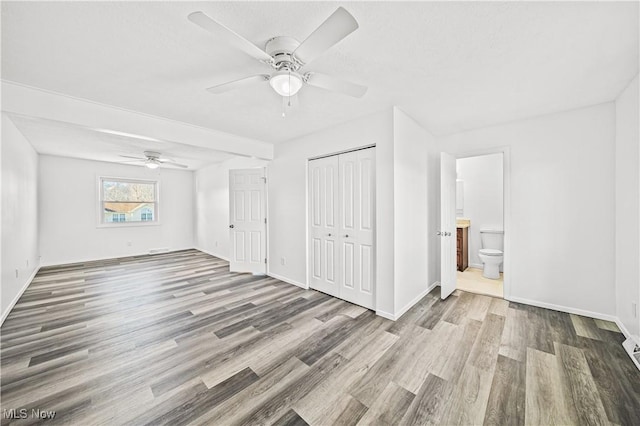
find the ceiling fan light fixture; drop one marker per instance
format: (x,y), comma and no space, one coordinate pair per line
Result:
(286,83)
(152,164)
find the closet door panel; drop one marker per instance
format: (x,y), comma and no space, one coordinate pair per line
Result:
(323,223)
(357,211)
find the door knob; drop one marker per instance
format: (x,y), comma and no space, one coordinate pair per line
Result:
(328,235)
(231,226)
(346,235)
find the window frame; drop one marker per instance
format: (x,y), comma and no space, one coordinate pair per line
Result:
(100,203)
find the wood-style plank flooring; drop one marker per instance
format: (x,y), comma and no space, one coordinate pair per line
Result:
(177,339)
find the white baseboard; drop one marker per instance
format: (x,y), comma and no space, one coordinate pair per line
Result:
(212,253)
(386,315)
(626,332)
(401,312)
(5,314)
(288,280)
(566,309)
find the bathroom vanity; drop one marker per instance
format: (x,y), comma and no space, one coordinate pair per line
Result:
(462,245)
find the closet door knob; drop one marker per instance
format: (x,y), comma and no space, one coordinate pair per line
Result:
(328,235)
(346,235)
(231,226)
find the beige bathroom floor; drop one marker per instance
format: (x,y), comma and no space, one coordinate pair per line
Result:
(471,280)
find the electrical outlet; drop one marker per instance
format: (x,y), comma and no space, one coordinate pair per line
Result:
(129,243)
(634,309)
(216,244)
(17,273)
(283,261)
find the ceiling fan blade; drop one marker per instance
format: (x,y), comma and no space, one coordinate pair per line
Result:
(225,87)
(182,166)
(233,38)
(136,158)
(336,85)
(337,26)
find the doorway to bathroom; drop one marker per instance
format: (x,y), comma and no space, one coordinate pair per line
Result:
(474,222)
(480,224)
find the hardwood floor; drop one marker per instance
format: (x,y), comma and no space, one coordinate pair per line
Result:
(176,339)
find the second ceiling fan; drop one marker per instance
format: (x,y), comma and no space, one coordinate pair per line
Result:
(287,57)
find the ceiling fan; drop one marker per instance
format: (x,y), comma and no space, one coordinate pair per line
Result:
(287,56)
(153,160)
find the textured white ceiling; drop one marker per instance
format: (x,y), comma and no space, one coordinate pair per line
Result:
(56,138)
(452,66)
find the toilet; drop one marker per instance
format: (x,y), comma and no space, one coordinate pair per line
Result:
(491,254)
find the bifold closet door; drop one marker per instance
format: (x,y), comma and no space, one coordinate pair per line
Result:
(357,219)
(342,219)
(323,221)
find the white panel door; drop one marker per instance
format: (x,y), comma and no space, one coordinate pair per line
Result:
(447,224)
(323,225)
(341,226)
(357,216)
(247,227)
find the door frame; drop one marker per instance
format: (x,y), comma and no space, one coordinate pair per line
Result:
(506,206)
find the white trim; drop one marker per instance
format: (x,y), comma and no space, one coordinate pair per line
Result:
(5,314)
(506,204)
(476,266)
(267,252)
(626,332)
(156,203)
(418,298)
(212,253)
(288,280)
(566,309)
(386,315)
(96,259)
(401,312)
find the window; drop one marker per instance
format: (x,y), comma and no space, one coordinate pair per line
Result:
(128,201)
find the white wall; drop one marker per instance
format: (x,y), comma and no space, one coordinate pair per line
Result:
(212,204)
(416,205)
(287,192)
(19,214)
(627,227)
(69,230)
(562,191)
(483,197)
